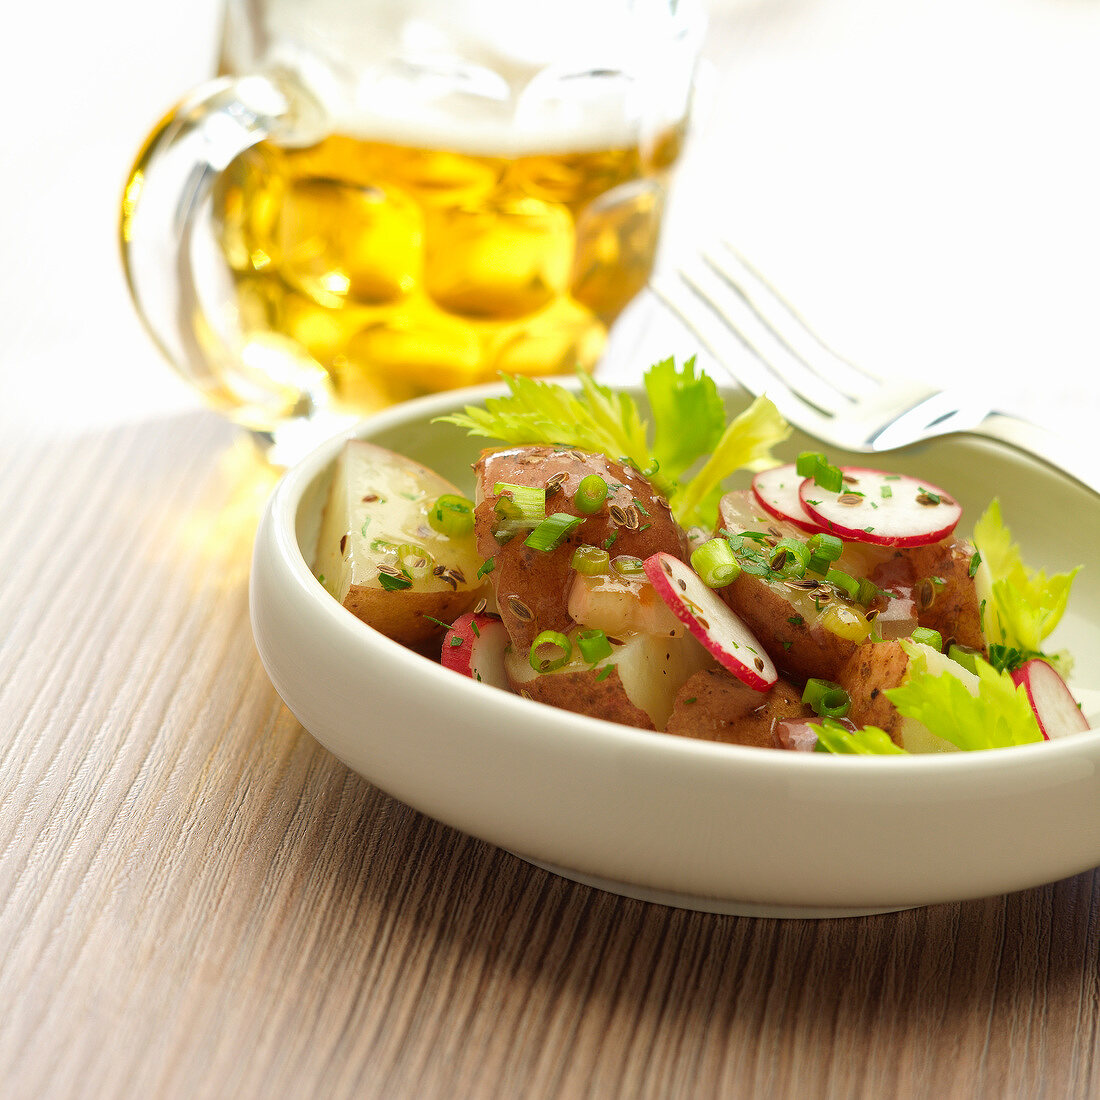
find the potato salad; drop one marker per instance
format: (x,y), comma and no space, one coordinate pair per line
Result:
(601,564)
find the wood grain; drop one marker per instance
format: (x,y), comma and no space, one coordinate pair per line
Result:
(197,900)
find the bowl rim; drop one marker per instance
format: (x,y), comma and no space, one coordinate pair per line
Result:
(283,507)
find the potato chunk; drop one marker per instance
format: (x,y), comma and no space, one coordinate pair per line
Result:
(715,706)
(375,524)
(533,586)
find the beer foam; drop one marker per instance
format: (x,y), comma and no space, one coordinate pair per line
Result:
(471,88)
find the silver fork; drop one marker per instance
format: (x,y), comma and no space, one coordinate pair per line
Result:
(750,330)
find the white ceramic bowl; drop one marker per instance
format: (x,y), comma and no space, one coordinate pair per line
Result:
(680,821)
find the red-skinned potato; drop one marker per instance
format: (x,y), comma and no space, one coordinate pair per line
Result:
(714,705)
(635,686)
(375,523)
(532,586)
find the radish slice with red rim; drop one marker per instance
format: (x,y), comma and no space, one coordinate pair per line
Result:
(882,509)
(1055,708)
(702,611)
(776,491)
(474,646)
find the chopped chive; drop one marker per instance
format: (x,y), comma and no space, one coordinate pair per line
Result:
(475,630)
(363,529)
(887,492)
(975,561)
(438,622)
(456,641)
(487,567)
(610,540)
(393,584)
(796,620)
(605,672)
(640,506)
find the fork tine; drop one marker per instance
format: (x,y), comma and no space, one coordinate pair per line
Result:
(788,327)
(769,353)
(732,351)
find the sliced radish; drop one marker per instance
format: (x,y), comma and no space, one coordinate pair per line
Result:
(475,646)
(883,509)
(776,491)
(1056,710)
(702,611)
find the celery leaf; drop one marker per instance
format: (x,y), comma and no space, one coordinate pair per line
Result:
(688,414)
(746,443)
(997,717)
(869,741)
(1022,605)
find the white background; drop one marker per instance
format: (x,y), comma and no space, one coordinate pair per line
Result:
(922,178)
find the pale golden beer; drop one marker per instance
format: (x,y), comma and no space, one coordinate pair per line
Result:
(404,271)
(377,200)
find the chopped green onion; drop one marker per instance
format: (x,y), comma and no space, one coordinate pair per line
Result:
(550,651)
(966,656)
(844,581)
(593,645)
(926,636)
(520,505)
(591,560)
(828,476)
(487,566)
(826,698)
(414,561)
(590,495)
(393,584)
(886,492)
(715,563)
(807,463)
(868,591)
(553,531)
(797,557)
(626,565)
(826,546)
(817,564)
(452,515)
(605,672)
(975,561)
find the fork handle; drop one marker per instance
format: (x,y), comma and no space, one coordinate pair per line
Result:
(1064,454)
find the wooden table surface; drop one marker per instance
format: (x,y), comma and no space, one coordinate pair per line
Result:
(196,900)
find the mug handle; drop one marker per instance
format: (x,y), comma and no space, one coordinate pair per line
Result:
(172,261)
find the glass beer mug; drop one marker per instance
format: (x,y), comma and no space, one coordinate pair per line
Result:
(381,199)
